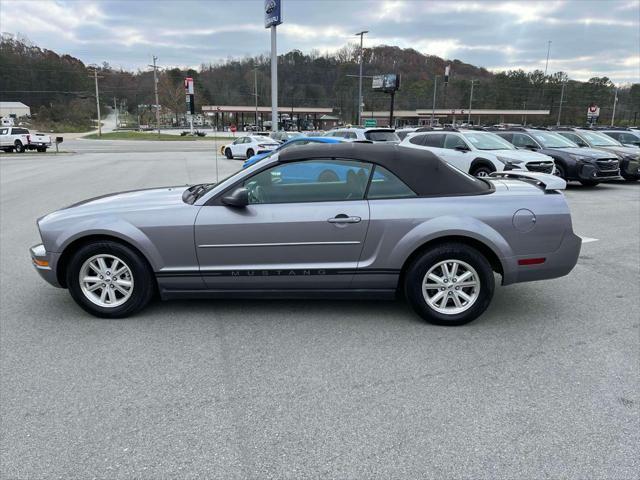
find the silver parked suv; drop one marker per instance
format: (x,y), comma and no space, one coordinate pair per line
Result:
(359,134)
(477,152)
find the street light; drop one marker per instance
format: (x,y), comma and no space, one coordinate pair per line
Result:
(361,35)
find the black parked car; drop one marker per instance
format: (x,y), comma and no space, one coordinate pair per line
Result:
(629,156)
(586,165)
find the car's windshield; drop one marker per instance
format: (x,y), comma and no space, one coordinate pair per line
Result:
(381,136)
(600,140)
(552,140)
(488,141)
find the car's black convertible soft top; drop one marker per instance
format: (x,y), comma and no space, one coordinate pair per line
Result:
(426,174)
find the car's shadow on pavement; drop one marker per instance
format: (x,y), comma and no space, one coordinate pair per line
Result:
(601,187)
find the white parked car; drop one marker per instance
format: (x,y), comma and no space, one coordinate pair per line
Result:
(247,147)
(478,153)
(359,134)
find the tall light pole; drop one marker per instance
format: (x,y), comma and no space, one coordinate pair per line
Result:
(470,102)
(361,35)
(615,102)
(561,102)
(274,81)
(433,105)
(255,91)
(546,65)
(155,87)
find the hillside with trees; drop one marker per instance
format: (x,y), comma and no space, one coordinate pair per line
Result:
(60,88)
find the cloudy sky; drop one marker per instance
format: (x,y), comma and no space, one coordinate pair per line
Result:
(589,37)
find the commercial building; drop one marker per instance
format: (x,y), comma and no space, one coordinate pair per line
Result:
(301,118)
(14,110)
(478,116)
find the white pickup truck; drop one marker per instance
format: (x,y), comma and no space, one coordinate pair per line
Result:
(19,139)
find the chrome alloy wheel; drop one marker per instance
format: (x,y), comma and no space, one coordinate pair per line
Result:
(106,280)
(451,287)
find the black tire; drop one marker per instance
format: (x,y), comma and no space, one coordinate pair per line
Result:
(18,147)
(144,284)
(250,153)
(482,171)
(560,172)
(417,270)
(589,183)
(228,154)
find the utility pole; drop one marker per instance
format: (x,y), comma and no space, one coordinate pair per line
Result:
(255,91)
(615,102)
(95,78)
(470,102)
(361,35)
(115,109)
(524,117)
(433,105)
(561,102)
(548,51)
(155,87)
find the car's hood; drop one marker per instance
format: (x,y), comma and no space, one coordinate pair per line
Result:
(620,150)
(524,155)
(130,200)
(584,152)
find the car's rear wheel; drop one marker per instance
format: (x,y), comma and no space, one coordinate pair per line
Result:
(451,284)
(228,154)
(109,279)
(18,147)
(250,153)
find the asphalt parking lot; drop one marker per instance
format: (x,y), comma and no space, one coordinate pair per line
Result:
(544,385)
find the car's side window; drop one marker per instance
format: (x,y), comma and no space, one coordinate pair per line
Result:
(237,141)
(310,181)
(3,131)
(574,138)
(385,184)
(351,135)
(452,141)
(434,140)
(521,140)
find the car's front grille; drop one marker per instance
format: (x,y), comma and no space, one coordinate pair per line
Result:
(608,165)
(544,167)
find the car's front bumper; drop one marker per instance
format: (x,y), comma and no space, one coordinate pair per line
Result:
(45,264)
(600,171)
(630,167)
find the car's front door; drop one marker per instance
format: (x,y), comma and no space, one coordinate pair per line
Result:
(457,152)
(236,146)
(304,228)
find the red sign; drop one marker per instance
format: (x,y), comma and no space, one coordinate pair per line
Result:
(233,128)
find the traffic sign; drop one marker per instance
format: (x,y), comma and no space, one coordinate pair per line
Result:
(370,122)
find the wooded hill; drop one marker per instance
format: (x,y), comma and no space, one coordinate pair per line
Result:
(59,88)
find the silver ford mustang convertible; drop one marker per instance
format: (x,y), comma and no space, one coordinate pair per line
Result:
(336,220)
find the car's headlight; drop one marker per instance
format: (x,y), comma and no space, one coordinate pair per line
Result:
(509,161)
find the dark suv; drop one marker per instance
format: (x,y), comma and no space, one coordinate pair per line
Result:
(586,165)
(629,156)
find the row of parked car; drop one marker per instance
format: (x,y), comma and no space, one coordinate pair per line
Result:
(589,156)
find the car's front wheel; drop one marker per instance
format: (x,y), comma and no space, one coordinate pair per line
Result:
(482,171)
(228,154)
(109,279)
(451,284)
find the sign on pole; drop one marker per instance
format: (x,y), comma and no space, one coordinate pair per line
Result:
(370,122)
(593,112)
(272,13)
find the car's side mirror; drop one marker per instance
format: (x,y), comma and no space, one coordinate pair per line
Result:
(461,148)
(531,147)
(238,198)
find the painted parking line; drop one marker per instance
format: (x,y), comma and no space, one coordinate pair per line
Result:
(588,239)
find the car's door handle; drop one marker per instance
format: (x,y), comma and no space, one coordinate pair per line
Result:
(342,218)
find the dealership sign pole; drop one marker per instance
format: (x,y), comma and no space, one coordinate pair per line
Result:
(273,18)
